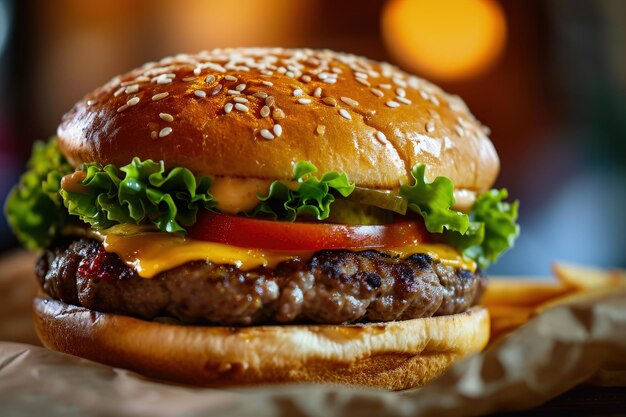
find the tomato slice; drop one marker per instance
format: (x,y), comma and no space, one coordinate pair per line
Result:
(267,234)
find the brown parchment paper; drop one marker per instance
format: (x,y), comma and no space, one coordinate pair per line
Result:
(557,350)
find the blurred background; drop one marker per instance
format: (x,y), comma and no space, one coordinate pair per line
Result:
(547,76)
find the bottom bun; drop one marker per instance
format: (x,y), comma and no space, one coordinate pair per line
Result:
(394,355)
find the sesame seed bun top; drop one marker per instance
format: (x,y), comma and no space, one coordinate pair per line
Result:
(253,113)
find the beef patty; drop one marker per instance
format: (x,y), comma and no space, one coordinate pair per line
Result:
(335,286)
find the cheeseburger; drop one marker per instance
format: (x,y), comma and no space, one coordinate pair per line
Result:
(247,216)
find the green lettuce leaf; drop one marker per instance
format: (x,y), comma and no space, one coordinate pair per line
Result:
(500,228)
(34,208)
(432,201)
(312,198)
(140,192)
(482,235)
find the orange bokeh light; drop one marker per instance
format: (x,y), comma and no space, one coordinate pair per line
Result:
(445,39)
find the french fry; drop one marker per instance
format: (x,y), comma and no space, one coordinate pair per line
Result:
(584,278)
(505,319)
(522,291)
(514,301)
(580,296)
(507,315)
(619,274)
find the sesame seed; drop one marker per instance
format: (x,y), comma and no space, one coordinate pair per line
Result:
(330,80)
(240,87)
(132,89)
(360,75)
(240,100)
(297,92)
(230,78)
(133,101)
(200,93)
(377,92)
(349,101)
(216,67)
(363,81)
(385,86)
(142,79)
(278,130)
(320,129)
(424,94)
(160,96)
(403,100)
(306,78)
(400,92)
(434,100)
(233,92)
(400,82)
(189,79)
(210,79)
(317,92)
(269,101)
(90,102)
(304,101)
(216,90)
(329,101)
(392,104)
(430,127)
(265,111)
(167,117)
(267,134)
(228,107)
(267,83)
(322,75)
(345,114)
(278,114)
(260,94)
(459,130)
(153,134)
(381,136)
(241,107)
(462,121)
(165,131)
(122,108)
(163,80)
(118,91)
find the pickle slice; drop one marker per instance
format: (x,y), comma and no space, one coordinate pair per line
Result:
(351,213)
(379,198)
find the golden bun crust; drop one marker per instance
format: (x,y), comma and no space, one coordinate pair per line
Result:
(394,355)
(176,110)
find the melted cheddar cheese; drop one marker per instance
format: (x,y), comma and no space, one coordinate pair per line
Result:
(151,253)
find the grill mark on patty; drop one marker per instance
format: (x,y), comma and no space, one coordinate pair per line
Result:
(334,286)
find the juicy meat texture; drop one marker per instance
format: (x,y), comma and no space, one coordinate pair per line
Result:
(332,287)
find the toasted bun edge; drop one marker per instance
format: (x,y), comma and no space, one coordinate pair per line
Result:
(393,355)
